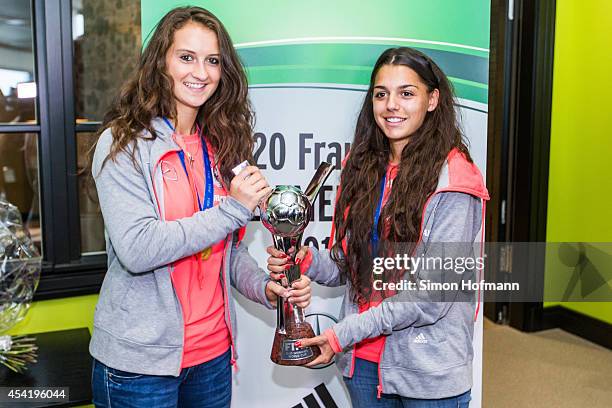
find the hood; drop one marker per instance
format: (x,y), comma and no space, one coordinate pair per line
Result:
(459,175)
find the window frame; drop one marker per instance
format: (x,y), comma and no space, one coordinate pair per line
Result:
(65,271)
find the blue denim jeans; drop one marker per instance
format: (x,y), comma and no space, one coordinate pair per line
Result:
(362,389)
(206,385)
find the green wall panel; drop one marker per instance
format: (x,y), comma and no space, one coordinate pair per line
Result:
(580,183)
(58,314)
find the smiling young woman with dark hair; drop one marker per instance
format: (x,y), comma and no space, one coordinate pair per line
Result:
(409,182)
(174,217)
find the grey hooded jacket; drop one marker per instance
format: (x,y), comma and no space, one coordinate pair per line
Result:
(428,344)
(138,322)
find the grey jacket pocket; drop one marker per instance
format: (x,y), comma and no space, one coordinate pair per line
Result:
(422,349)
(140,316)
(114,288)
(126,295)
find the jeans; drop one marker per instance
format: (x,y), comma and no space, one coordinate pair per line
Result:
(362,390)
(206,385)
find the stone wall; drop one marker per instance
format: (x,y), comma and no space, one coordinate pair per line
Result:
(106,54)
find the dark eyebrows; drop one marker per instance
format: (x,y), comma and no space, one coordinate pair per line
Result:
(399,87)
(193,52)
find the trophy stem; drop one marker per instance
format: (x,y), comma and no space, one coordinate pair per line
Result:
(290,321)
(280,316)
(286,244)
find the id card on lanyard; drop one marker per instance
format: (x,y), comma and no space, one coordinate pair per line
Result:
(209,191)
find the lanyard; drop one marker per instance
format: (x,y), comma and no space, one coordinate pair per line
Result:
(374,237)
(208,188)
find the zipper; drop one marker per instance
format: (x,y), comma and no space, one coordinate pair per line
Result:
(379,387)
(482,228)
(352,370)
(170,268)
(226,294)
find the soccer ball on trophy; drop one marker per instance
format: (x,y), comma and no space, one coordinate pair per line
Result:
(286,212)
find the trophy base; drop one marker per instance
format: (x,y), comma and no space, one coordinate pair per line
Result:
(284,351)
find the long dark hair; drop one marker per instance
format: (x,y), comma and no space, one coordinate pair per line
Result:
(421,162)
(226,118)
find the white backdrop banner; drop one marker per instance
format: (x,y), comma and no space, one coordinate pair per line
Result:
(308,65)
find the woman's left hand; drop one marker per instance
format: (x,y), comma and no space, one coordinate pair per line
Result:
(298,293)
(327,354)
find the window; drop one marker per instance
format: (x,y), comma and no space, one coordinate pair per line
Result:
(92,225)
(19,178)
(106,45)
(19,133)
(17,82)
(61,63)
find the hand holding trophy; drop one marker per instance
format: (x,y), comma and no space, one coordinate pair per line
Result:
(285,213)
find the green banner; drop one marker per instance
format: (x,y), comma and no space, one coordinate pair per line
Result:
(338,42)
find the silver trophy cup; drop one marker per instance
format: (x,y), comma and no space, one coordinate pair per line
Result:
(286,213)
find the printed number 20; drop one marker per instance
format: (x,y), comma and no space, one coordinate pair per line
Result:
(276,150)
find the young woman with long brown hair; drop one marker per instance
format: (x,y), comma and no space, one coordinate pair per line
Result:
(174,217)
(408,184)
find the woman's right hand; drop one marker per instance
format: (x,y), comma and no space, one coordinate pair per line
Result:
(279,262)
(249,187)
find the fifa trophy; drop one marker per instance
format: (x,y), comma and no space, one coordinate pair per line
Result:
(286,213)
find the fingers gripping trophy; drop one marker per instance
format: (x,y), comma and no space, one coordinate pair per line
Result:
(286,213)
